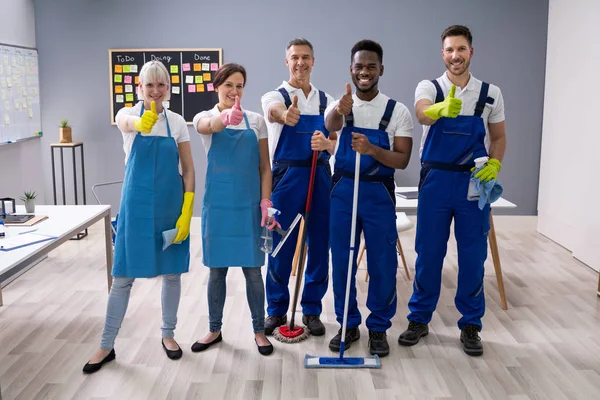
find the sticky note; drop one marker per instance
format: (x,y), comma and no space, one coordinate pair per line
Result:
(126,69)
(189,79)
(176,90)
(16,104)
(119,78)
(119,98)
(214,67)
(174,69)
(206,76)
(198,79)
(128,105)
(119,89)
(175,79)
(2,81)
(133,68)
(166,104)
(30,113)
(128,88)
(136,80)
(205,67)
(186,67)
(118,69)
(209,87)
(129,97)
(192,88)
(200,88)
(127,79)
(197,67)
(7,119)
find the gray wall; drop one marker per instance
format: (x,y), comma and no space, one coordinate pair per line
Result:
(73,38)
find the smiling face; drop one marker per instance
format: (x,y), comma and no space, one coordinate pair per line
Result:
(300,61)
(154,91)
(365,71)
(154,84)
(457,53)
(232,86)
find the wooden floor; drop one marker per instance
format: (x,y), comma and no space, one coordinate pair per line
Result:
(546,346)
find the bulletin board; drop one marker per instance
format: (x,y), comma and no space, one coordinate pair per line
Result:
(20,117)
(191,72)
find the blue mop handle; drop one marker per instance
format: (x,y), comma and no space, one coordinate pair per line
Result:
(352,249)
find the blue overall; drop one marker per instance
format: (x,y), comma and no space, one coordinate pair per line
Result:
(231,209)
(450,149)
(376,217)
(291,173)
(151,202)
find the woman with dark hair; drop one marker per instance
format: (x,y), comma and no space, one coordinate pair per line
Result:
(238,176)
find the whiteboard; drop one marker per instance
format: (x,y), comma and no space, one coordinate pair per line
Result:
(20,117)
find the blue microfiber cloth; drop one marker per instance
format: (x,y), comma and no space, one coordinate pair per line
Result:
(488,192)
(168,237)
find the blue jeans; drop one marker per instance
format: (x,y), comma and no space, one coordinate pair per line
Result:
(255,292)
(118,299)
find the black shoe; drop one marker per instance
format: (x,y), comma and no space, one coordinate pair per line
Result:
(469,336)
(264,350)
(413,333)
(378,343)
(352,335)
(314,324)
(273,322)
(173,354)
(91,368)
(196,347)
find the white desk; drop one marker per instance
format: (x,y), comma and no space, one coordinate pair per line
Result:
(411,204)
(64,222)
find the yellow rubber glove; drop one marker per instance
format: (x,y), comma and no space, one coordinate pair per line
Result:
(450,107)
(147,121)
(490,171)
(183,223)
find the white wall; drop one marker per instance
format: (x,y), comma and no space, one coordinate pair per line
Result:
(20,163)
(569,193)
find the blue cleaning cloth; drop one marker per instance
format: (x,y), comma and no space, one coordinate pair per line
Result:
(488,192)
(168,237)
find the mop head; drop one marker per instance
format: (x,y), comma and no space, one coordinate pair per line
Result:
(341,362)
(284,334)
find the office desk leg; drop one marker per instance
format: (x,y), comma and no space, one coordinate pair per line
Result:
(3,303)
(496,259)
(109,248)
(598,288)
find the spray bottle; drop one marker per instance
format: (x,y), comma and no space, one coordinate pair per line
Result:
(473,194)
(266,237)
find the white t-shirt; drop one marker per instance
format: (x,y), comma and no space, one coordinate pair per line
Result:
(178,126)
(492,113)
(256,121)
(307,105)
(368,114)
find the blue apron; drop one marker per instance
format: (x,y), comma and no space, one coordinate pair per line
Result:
(291,174)
(231,209)
(448,155)
(151,202)
(376,217)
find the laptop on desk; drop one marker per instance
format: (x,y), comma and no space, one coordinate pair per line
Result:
(411,195)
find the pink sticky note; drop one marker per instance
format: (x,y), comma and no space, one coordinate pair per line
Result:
(186,67)
(127,79)
(214,66)
(192,88)
(209,87)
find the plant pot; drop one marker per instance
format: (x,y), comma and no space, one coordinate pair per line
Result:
(30,206)
(65,135)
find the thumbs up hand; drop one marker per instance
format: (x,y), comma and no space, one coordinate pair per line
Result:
(292,115)
(346,102)
(148,119)
(450,107)
(234,115)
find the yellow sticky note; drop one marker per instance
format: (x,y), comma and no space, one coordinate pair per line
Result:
(197,67)
(174,69)
(129,97)
(137,80)
(206,76)
(175,79)
(200,88)
(199,79)
(128,105)
(126,69)
(118,69)
(119,89)
(118,78)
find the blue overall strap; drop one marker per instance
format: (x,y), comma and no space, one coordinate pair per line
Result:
(349,119)
(483,99)
(322,102)
(387,115)
(439,95)
(286,97)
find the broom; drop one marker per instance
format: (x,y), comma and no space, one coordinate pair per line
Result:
(292,333)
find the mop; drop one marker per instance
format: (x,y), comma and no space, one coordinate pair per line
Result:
(291,333)
(348,362)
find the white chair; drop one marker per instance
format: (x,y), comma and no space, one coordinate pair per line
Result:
(402,224)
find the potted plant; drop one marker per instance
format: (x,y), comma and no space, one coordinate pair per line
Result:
(65,131)
(29,200)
